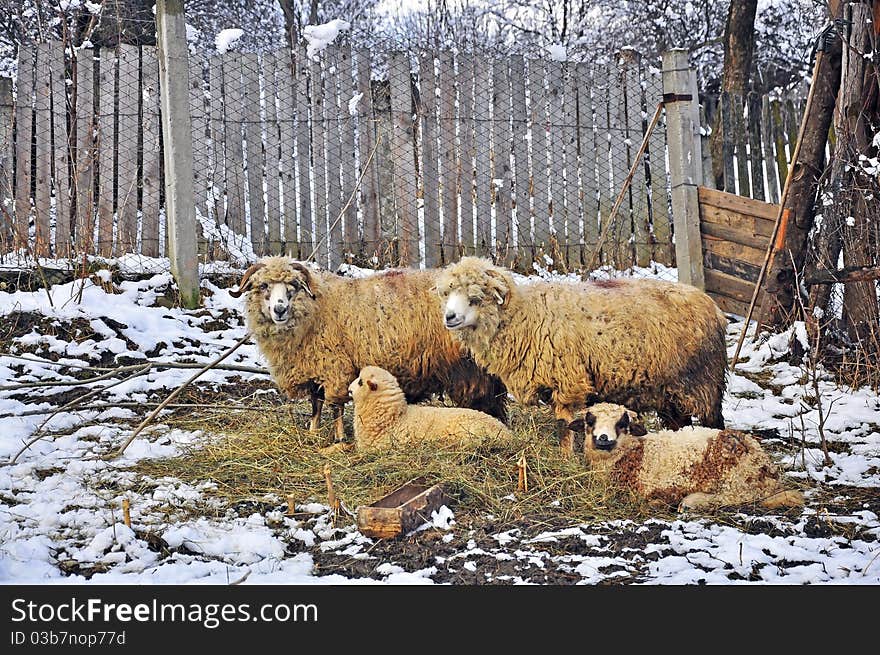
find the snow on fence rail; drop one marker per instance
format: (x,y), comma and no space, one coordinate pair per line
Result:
(359,156)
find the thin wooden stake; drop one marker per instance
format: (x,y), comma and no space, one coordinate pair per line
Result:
(332,500)
(176,393)
(522,468)
(632,171)
(126,512)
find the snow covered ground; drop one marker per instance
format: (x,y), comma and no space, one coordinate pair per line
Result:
(60,502)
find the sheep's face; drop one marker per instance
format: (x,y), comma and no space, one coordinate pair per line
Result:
(370,380)
(467,293)
(278,298)
(607,428)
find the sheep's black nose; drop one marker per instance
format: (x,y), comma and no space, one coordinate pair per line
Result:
(450,316)
(603,442)
(279,310)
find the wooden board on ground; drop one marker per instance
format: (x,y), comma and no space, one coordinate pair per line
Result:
(401,511)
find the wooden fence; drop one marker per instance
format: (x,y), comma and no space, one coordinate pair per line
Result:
(758,134)
(353,156)
(736,233)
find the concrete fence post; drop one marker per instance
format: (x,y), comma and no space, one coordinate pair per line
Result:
(178,154)
(685,162)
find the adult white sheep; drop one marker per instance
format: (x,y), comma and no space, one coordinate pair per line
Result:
(643,343)
(317,330)
(694,468)
(383,419)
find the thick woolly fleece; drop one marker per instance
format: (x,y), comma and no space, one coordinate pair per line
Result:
(390,320)
(646,344)
(383,419)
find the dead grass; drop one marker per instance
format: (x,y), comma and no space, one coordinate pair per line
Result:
(272,452)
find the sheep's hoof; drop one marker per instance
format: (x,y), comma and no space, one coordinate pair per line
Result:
(696,501)
(784,499)
(338,447)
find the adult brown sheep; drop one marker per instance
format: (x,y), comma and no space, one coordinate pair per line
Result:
(645,344)
(318,330)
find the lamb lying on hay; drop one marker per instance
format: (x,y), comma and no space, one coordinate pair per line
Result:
(695,467)
(647,344)
(317,330)
(383,419)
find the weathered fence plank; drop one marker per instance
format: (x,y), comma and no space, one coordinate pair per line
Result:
(638,189)
(555,76)
(107,149)
(351,238)
(540,178)
(572,186)
(602,146)
(250,69)
(587,152)
(740,140)
(366,133)
(304,156)
(43,153)
(6,164)
(727,141)
(319,162)
(24,138)
(200,119)
(779,141)
(663,251)
(502,174)
(466,157)
(85,157)
(272,138)
(127,167)
(618,245)
(448,158)
(61,150)
(333,122)
(285,86)
(403,150)
(754,137)
(217,178)
(234,169)
(429,163)
(769,157)
(482,156)
(151,176)
(524,252)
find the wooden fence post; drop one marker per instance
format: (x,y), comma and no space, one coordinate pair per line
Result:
(685,162)
(178,155)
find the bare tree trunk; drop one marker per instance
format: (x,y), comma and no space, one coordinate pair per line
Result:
(291,21)
(739,45)
(803,181)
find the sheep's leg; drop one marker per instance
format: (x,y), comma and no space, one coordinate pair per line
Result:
(339,426)
(317,405)
(564,416)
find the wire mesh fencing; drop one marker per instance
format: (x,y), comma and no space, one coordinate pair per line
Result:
(348,156)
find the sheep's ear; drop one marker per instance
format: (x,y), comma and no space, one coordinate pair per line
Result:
(637,430)
(498,285)
(577,425)
(307,280)
(245,283)
(373,386)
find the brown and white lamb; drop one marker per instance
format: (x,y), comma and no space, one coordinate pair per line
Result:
(695,467)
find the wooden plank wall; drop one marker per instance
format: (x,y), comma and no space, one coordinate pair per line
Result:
(736,232)
(442,155)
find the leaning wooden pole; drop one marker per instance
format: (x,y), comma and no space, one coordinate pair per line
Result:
(180,209)
(795,216)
